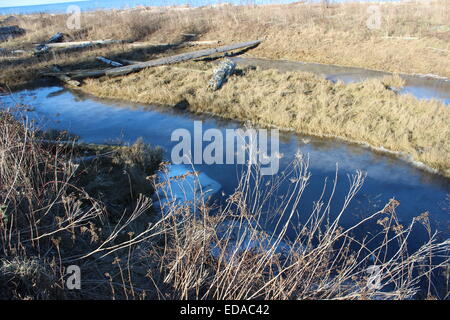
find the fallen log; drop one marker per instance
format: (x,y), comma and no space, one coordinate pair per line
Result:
(126,61)
(201,43)
(82,44)
(58,37)
(64,77)
(54,43)
(221,74)
(185,69)
(109,62)
(43,48)
(11,30)
(186,43)
(401,38)
(112,72)
(12,53)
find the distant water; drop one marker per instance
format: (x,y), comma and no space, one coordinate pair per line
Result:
(121,4)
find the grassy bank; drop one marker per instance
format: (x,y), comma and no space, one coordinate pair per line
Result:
(370,111)
(411,37)
(62,205)
(97,214)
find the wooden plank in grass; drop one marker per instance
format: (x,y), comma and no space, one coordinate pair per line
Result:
(120,71)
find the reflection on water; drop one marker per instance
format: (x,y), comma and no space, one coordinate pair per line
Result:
(100,121)
(419,86)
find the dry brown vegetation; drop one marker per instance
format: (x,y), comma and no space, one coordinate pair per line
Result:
(370,111)
(412,38)
(48,221)
(56,210)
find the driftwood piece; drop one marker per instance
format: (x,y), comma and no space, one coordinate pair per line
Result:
(186,43)
(66,79)
(12,53)
(82,44)
(109,62)
(63,77)
(58,37)
(221,74)
(42,48)
(185,69)
(162,61)
(126,61)
(401,38)
(9,32)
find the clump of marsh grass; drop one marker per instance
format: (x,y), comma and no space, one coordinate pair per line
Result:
(25,278)
(393,82)
(140,154)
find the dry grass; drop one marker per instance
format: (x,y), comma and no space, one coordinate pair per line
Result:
(55,211)
(49,221)
(228,255)
(367,112)
(334,35)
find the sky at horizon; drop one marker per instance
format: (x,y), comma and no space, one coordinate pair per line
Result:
(20,3)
